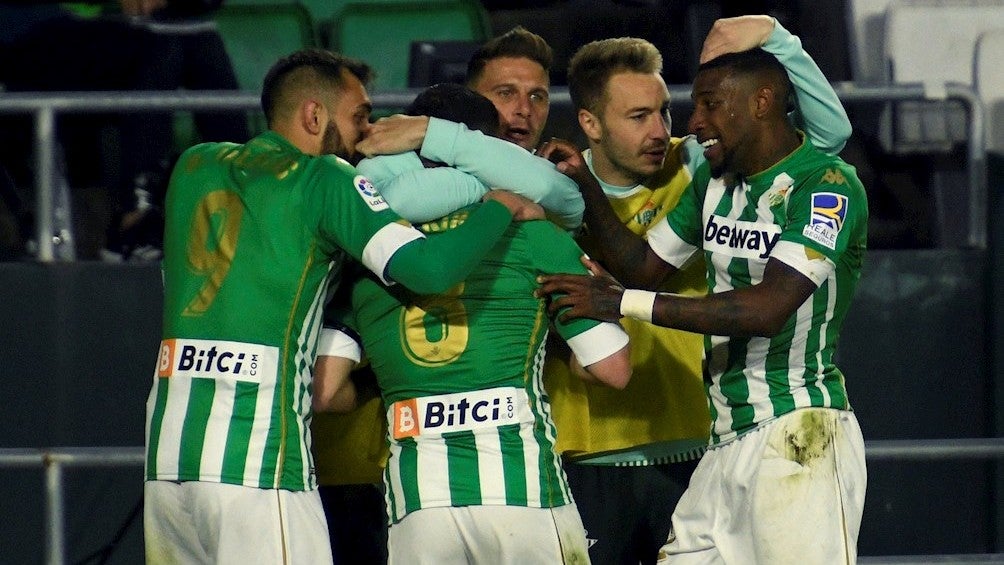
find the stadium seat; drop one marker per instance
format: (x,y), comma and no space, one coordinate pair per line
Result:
(866,26)
(257,35)
(933,42)
(989,82)
(381,33)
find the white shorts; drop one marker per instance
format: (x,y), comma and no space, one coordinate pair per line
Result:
(499,535)
(791,491)
(197,522)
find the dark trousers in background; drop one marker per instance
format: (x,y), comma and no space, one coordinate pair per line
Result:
(357,523)
(627,511)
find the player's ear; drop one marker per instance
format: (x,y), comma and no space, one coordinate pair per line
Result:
(312,115)
(590,125)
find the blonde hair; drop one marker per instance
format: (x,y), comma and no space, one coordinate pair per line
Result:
(594,63)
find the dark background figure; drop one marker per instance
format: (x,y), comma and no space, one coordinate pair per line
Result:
(116,163)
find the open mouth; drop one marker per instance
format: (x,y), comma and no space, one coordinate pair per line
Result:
(710,148)
(517,135)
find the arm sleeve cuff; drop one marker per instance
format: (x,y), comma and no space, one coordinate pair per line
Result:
(338,343)
(817,269)
(598,343)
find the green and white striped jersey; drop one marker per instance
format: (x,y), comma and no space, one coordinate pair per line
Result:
(254,234)
(469,422)
(809,211)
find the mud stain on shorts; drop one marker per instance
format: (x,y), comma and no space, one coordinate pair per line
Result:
(809,437)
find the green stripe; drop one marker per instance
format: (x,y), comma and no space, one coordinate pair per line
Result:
(777,367)
(734,385)
(513,465)
(389,499)
(293,465)
(551,493)
(408,469)
(462,468)
(273,441)
(812,365)
(156,421)
(193,435)
(239,432)
(715,438)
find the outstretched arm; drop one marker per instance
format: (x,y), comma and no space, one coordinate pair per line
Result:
(758,310)
(819,113)
(433,265)
(493,161)
(419,194)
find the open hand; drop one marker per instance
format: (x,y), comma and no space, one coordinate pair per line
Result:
(394,134)
(522,208)
(733,35)
(596,295)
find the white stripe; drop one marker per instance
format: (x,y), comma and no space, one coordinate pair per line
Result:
(307,341)
(532,465)
(531,448)
(432,462)
(490,470)
(259,434)
(217,428)
(831,302)
(796,355)
(550,432)
(169,443)
(392,478)
(151,401)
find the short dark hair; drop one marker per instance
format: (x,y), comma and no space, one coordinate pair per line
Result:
(518,42)
(756,61)
(457,103)
(315,68)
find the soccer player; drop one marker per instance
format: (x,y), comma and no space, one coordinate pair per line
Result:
(472,475)
(349,447)
(629,454)
(512,70)
(255,233)
(781,226)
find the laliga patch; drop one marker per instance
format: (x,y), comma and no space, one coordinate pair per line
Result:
(827,218)
(369,194)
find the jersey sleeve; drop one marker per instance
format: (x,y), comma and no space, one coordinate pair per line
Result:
(355,217)
(500,164)
(339,341)
(677,237)
(590,340)
(421,194)
(820,113)
(382,168)
(824,217)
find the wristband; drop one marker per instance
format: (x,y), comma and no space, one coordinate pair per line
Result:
(638,304)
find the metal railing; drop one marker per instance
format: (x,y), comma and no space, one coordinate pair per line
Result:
(45,106)
(53,460)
